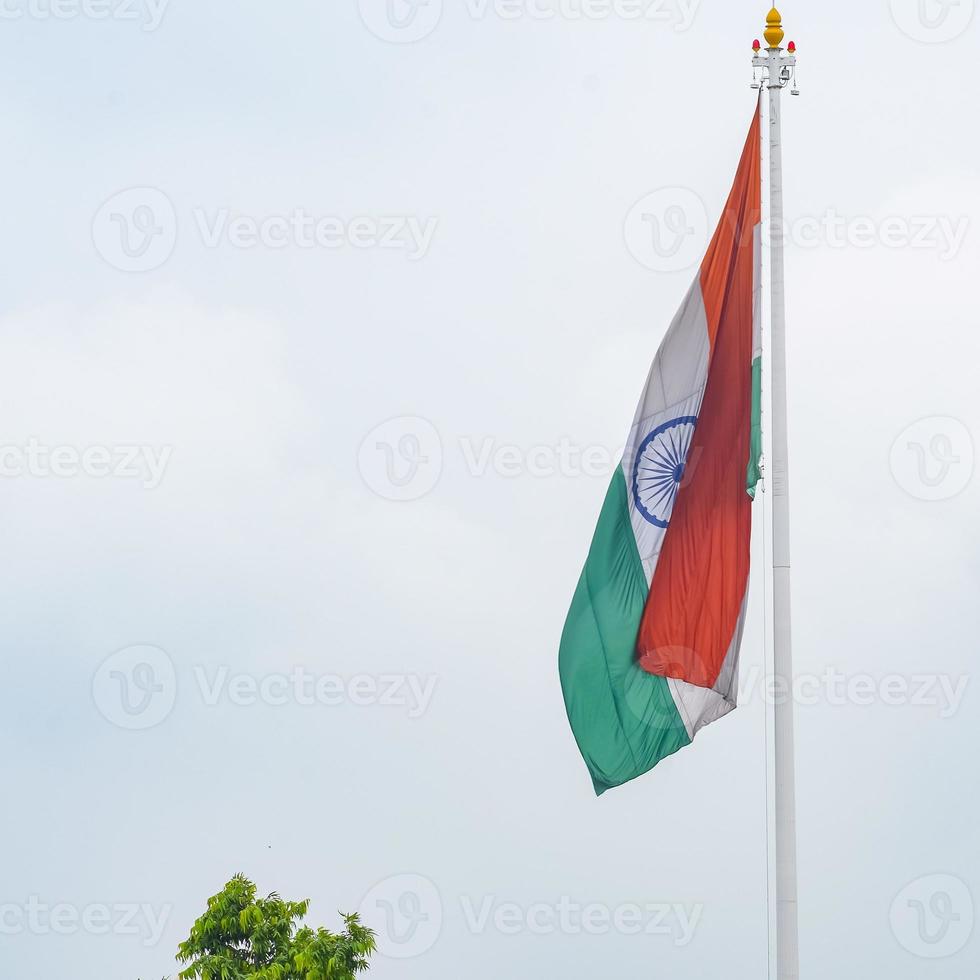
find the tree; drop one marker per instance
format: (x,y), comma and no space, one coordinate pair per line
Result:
(241,936)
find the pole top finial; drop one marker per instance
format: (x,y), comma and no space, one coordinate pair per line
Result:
(774,33)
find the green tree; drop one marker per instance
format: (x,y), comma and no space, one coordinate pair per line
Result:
(241,936)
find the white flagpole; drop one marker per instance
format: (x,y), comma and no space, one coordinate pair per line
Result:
(779,69)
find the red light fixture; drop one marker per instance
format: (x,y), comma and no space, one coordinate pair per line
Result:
(756,46)
(792,47)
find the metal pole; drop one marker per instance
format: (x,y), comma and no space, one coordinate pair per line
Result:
(779,70)
(787,942)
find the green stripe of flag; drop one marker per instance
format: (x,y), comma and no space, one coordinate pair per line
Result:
(624,719)
(755,444)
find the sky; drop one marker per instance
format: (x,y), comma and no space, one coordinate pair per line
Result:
(321,327)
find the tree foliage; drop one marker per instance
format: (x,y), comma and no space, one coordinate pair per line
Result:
(241,936)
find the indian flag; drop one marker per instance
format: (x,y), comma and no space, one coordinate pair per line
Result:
(649,654)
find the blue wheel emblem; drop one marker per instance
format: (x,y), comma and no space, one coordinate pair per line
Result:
(659,468)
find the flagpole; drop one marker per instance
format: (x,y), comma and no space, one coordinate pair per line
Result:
(779,69)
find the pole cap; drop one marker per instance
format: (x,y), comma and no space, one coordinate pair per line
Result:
(774,33)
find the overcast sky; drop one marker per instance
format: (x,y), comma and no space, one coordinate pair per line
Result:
(317,350)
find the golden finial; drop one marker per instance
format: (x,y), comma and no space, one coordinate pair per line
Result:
(774,29)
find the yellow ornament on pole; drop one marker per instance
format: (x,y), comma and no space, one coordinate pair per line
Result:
(774,33)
